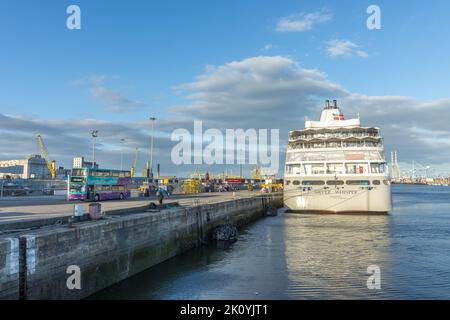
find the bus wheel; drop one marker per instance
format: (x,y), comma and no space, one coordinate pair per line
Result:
(97,197)
(121,196)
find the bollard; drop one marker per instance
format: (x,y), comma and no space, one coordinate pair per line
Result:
(78,212)
(95,211)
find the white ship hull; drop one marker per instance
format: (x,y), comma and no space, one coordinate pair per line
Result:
(372,199)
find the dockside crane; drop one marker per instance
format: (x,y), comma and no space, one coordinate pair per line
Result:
(133,166)
(256,173)
(51,165)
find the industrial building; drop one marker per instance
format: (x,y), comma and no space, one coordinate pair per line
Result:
(78,162)
(32,167)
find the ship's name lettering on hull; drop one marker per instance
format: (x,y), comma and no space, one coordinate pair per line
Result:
(337,192)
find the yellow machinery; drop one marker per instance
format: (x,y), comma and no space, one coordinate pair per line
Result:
(148,186)
(51,165)
(193,185)
(273,185)
(134,162)
(169,180)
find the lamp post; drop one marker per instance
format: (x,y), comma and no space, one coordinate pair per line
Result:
(152,119)
(94,134)
(121,153)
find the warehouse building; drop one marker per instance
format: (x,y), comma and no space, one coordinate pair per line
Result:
(32,167)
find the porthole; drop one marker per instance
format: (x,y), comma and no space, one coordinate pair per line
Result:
(335,183)
(358,182)
(313,183)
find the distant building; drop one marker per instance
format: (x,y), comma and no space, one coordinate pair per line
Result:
(32,167)
(78,162)
(62,173)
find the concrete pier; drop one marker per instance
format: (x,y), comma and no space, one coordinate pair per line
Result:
(37,264)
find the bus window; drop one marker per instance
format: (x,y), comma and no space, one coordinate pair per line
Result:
(77,188)
(78,172)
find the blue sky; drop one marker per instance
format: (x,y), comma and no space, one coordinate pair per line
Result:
(138,53)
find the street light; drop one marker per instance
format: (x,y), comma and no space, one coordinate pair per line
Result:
(152,119)
(94,134)
(121,153)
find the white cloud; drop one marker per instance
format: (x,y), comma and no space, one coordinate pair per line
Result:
(267,47)
(344,48)
(115,101)
(302,21)
(251,91)
(111,99)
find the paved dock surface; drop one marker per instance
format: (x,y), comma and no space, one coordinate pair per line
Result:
(38,207)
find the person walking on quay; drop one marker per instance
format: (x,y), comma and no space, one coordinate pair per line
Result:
(160,196)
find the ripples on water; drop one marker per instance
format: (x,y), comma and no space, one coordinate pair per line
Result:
(294,256)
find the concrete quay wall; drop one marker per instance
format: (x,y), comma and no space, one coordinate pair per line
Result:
(37,265)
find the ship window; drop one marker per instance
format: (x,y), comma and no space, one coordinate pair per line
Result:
(293,169)
(287,182)
(358,182)
(356,168)
(297,156)
(314,168)
(333,144)
(386,182)
(335,183)
(313,183)
(296,182)
(376,182)
(335,168)
(377,167)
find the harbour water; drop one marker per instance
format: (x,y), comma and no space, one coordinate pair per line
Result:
(294,256)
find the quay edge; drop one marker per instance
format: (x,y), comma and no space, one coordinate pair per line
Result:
(34,265)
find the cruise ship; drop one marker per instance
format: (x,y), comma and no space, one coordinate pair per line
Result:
(335,165)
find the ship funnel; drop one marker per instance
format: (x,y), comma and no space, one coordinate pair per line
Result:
(327,104)
(335,104)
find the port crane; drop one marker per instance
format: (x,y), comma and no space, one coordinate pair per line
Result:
(51,165)
(256,173)
(133,165)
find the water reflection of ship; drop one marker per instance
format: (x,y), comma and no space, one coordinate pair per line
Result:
(328,255)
